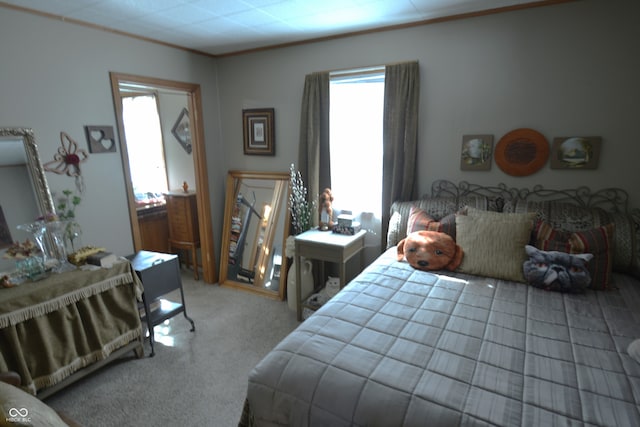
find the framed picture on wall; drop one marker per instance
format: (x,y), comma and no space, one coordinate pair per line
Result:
(575,152)
(476,152)
(181,131)
(101,139)
(259,131)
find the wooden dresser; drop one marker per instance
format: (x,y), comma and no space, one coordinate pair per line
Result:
(154,228)
(184,232)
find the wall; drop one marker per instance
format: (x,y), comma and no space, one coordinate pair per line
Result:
(55,77)
(180,166)
(567,69)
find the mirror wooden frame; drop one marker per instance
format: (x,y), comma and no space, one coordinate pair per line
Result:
(230,201)
(34,165)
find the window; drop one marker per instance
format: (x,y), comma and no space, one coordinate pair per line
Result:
(356,107)
(145,149)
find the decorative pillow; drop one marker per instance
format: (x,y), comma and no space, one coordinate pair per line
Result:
(571,217)
(430,250)
(19,408)
(567,216)
(596,241)
(436,207)
(394,229)
(625,242)
(557,271)
(420,220)
(493,244)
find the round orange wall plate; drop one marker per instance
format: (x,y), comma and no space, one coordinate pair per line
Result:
(521,152)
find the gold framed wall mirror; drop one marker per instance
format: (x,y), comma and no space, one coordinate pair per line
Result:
(125,86)
(255,228)
(20,165)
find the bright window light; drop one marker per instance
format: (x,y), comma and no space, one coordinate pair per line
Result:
(356,141)
(145,148)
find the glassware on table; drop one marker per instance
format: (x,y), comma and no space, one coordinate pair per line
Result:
(37,229)
(31,268)
(57,230)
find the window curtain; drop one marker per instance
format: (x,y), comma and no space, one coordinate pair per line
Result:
(400,137)
(313,154)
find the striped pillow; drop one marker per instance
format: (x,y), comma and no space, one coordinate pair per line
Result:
(596,241)
(493,244)
(420,220)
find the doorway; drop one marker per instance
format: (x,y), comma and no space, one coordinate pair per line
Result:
(127,87)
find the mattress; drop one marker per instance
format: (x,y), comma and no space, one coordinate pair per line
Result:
(401,347)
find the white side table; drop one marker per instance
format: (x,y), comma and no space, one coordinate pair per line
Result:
(328,247)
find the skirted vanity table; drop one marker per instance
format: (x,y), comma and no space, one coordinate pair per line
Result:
(55,330)
(65,325)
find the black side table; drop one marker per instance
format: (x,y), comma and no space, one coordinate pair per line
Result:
(160,274)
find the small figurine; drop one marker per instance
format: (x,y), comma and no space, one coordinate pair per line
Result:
(185,186)
(332,286)
(5,282)
(325,210)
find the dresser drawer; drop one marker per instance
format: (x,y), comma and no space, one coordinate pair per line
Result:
(183,217)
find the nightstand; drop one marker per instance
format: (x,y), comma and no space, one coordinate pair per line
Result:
(326,246)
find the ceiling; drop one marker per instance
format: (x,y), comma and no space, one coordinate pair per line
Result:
(219,27)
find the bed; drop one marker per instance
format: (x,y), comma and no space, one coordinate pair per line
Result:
(402,347)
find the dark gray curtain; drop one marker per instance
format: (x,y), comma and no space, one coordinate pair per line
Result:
(313,154)
(400,136)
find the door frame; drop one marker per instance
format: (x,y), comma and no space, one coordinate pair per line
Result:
(193,92)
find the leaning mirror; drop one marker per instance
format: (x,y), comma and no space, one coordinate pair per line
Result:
(255,227)
(24,194)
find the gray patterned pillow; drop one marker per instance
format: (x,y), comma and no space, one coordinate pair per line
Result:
(562,215)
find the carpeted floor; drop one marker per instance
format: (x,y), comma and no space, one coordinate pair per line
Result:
(196,378)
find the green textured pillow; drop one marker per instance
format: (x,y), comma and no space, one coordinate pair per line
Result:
(493,244)
(18,408)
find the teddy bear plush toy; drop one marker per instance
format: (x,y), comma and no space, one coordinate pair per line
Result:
(325,210)
(430,250)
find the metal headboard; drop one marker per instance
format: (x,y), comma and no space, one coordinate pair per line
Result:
(610,199)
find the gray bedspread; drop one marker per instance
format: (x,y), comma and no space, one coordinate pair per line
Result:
(401,347)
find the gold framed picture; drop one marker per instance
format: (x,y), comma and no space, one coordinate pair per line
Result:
(259,131)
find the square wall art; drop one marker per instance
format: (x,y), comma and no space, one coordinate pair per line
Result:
(476,152)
